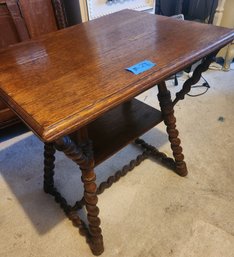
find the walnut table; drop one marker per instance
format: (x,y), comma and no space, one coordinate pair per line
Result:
(72,90)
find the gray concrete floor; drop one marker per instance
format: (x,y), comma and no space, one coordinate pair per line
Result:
(151,212)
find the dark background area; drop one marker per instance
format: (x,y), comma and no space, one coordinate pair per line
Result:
(72,9)
(200,10)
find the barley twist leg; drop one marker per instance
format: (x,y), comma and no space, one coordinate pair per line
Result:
(166,105)
(49,159)
(86,163)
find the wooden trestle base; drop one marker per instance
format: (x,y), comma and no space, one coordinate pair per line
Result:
(92,232)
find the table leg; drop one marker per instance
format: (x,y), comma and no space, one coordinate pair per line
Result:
(49,159)
(91,200)
(86,163)
(167,109)
(204,66)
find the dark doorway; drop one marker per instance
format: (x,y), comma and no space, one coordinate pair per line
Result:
(200,10)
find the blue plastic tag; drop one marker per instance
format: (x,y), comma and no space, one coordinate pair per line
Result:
(141,67)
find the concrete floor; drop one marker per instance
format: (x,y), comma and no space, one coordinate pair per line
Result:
(151,212)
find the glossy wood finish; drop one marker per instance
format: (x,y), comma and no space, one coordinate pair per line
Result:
(12,30)
(66,79)
(22,20)
(71,86)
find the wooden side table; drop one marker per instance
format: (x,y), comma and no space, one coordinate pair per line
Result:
(72,89)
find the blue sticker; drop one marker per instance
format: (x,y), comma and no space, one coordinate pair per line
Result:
(141,67)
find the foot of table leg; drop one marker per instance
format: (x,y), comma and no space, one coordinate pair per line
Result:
(86,164)
(166,105)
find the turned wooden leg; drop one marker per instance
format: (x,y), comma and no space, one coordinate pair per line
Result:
(90,194)
(91,199)
(204,66)
(84,158)
(49,159)
(166,105)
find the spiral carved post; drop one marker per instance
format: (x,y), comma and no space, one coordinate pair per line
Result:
(204,66)
(121,173)
(49,159)
(86,164)
(166,105)
(60,13)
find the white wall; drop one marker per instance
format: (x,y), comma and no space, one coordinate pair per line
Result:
(227,21)
(228,15)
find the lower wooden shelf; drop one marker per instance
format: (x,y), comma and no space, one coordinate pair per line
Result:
(120,126)
(7,117)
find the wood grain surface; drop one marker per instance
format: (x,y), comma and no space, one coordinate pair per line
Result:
(66,79)
(21,20)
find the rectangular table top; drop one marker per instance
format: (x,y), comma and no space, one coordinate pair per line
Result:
(65,79)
